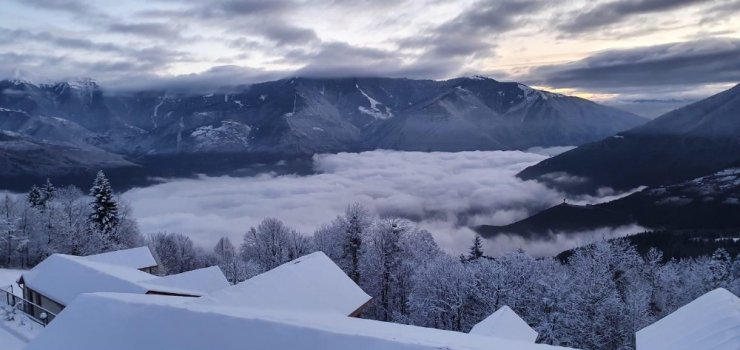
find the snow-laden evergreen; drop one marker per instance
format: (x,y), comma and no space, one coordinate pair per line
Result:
(104,216)
(59,220)
(34,197)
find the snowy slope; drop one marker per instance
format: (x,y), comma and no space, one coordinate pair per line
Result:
(686,143)
(711,322)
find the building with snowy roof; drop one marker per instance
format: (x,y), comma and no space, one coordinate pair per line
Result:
(505,324)
(60,278)
(712,321)
(140,258)
(310,283)
(280,309)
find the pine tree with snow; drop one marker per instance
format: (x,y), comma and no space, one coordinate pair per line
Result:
(35,197)
(104,216)
(476,250)
(48,191)
(356,217)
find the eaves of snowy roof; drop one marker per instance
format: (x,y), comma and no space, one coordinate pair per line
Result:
(310,283)
(127,321)
(62,277)
(712,321)
(196,282)
(138,258)
(505,324)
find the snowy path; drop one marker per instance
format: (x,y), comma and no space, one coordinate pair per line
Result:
(9,340)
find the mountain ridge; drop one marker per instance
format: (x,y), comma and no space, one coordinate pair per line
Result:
(306,116)
(709,202)
(691,141)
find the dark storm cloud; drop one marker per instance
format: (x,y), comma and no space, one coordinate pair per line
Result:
(215,78)
(83,11)
(604,14)
(147,29)
(231,9)
(469,33)
(680,64)
(20,35)
(266,19)
(151,57)
(265,27)
(287,34)
(101,60)
(338,59)
(71,6)
(726,8)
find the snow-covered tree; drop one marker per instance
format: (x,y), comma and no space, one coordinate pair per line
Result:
(476,250)
(9,238)
(48,191)
(272,243)
(35,197)
(176,253)
(228,260)
(382,261)
(440,297)
(357,222)
(104,217)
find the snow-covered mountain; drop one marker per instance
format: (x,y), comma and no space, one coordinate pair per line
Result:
(683,144)
(305,116)
(709,202)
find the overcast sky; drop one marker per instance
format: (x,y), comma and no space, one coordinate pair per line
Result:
(643,55)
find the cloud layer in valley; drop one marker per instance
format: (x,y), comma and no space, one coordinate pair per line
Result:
(444,192)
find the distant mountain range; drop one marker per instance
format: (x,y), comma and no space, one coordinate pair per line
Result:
(690,142)
(709,202)
(67,128)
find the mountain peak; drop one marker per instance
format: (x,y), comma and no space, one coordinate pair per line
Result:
(478,77)
(682,144)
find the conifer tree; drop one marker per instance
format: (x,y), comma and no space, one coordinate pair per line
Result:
(104,216)
(352,245)
(476,250)
(48,191)
(35,197)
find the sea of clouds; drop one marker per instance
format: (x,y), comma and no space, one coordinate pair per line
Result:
(446,193)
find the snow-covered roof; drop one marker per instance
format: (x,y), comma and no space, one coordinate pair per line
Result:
(712,321)
(62,277)
(198,282)
(506,324)
(138,258)
(126,321)
(309,283)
